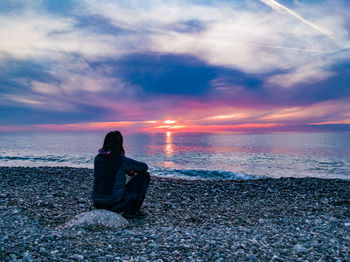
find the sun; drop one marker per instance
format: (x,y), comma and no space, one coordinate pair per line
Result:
(169,121)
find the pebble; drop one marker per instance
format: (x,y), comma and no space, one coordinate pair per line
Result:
(299,248)
(27,257)
(188,220)
(77,257)
(54,252)
(276,258)
(5,238)
(176,253)
(252,257)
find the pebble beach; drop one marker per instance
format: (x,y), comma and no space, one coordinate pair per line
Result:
(285,219)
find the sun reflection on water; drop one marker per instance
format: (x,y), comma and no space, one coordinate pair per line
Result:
(169,148)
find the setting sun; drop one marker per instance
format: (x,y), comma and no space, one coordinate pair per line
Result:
(169,121)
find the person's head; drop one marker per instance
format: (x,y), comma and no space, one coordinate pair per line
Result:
(114,143)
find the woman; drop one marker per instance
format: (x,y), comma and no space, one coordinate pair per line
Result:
(110,190)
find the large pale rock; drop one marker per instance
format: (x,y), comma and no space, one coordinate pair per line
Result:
(96,219)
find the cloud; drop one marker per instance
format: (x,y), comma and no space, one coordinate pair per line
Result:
(231,36)
(222,35)
(139,60)
(280,8)
(41,36)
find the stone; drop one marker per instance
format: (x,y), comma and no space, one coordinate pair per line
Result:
(13,258)
(54,252)
(97,218)
(299,248)
(252,257)
(275,258)
(5,238)
(176,253)
(27,257)
(77,257)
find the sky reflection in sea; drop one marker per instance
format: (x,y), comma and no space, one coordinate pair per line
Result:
(193,155)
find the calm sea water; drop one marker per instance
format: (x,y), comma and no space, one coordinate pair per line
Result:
(223,156)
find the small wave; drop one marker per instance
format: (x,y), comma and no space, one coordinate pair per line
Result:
(330,164)
(34,159)
(202,174)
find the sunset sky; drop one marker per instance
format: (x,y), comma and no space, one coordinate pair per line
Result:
(255,65)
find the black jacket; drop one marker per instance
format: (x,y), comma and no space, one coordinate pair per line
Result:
(110,177)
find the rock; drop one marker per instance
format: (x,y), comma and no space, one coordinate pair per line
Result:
(77,257)
(176,253)
(347,224)
(13,258)
(5,238)
(54,252)
(27,257)
(275,258)
(252,257)
(299,248)
(3,195)
(97,218)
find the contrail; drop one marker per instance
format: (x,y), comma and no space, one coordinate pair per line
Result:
(289,48)
(279,7)
(280,47)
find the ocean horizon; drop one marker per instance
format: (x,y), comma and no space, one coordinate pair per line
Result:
(193,155)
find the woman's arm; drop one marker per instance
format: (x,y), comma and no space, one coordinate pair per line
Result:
(131,164)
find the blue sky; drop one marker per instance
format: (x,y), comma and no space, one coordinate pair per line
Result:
(211,65)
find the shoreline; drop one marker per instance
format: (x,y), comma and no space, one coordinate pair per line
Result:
(269,219)
(239,177)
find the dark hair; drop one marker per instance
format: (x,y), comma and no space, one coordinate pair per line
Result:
(114,143)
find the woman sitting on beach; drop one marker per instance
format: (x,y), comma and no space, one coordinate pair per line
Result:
(110,190)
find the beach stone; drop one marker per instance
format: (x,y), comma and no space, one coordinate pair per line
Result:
(27,257)
(77,257)
(97,218)
(299,248)
(275,258)
(252,257)
(176,253)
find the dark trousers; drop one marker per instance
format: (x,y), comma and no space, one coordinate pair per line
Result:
(132,201)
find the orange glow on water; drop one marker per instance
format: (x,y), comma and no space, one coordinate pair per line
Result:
(169,148)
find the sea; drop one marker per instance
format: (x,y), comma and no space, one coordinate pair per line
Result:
(192,155)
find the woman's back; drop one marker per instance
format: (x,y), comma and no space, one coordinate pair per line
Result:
(105,171)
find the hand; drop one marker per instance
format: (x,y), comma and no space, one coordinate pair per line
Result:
(131,173)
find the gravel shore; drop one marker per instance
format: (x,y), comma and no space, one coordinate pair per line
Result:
(283,219)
